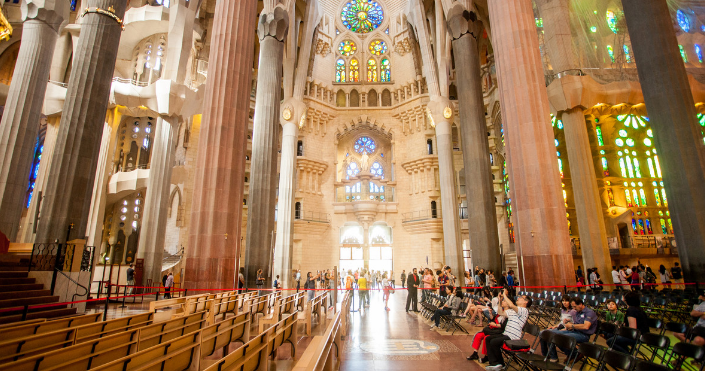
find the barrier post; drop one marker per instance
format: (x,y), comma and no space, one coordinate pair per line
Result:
(157,299)
(24,312)
(124,295)
(105,309)
(565,290)
(185,293)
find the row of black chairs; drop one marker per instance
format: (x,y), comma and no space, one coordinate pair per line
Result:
(432,302)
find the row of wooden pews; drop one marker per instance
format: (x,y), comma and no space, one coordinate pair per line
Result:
(203,325)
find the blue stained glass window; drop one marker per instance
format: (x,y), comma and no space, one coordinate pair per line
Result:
(699,53)
(627,55)
(73,5)
(377,170)
(365,144)
(362,16)
(683,20)
(34,172)
(353,170)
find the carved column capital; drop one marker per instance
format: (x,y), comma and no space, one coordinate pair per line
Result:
(54,13)
(462,22)
(274,24)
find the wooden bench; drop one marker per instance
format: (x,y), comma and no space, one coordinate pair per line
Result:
(221,334)
(196,303)
(319,354)
(105,328)
(281,306)
(22,323)
(221,307)
(180,354)
(179,303)
(158,333)
(253,356)
(315,306)
(14,349)
(285,331)
(27,329)
(80,357)
(258,305)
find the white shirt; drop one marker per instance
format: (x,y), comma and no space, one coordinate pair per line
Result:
(385,283)
(515,322)
(615,277)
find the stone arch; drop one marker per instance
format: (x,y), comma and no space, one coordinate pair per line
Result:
(386,98)
(175,193)
(340,98)
(354,98)
(8,59)
(372,98)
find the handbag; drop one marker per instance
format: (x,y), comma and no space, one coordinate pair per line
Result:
(492,330)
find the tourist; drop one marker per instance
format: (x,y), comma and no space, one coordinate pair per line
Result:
(582,326)
(259,282)
(277,285)
(310,284)
(650,279)
(130,279)
(579,272)
(624,278)
(567,313)
(385,290)
(168,284)
(699,314)
(479,345)
(502,280)
(412,285)
(442,282)
(665,276)
(363,294)
(636,319)
(468,282)
(241,279)
(451,305)
(615,277)
(427,284)
(403,278)
(516,315)
(614,315)
(677,275)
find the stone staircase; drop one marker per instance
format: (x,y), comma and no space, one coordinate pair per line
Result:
(17,289)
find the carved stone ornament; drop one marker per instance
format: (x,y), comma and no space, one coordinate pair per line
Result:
(448,112)
(286,114)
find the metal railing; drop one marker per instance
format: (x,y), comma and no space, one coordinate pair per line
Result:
(420,215)
(311,216)
(130,81)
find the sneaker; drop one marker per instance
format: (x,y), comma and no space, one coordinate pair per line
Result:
(494,368)
(473,357)
(433,326)
(484,360)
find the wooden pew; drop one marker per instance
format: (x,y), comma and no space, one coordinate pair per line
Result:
(14,349)
(221,307)
(79,357)
(158,333)
(314,308)
(22,323)
(221,334)
(253,356)
(258,305)
(179,303)
(285,331)
(105,328)
(345,312)
(27,329)
(319,354)
(196,303)
(179,354)
(281,306)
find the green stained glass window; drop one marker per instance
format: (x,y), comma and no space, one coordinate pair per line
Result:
(701,119)
(683,55)
(362,16)
(372,70)
(623,133)
(622,167)
(642,194)
(386,70)
(628,197)
(627,55)
(635,196)
(663,226)
(610,51)
(619,142)
(630,169)
(340,71)
(663,194)
(651,167)
(560,167)
(612,21)
(378,47)
(600,140)
(605,168)
(347,48)
(657,197)
(658,167)
(354,70)
(630,142)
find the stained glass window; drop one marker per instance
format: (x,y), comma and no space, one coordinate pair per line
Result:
(610,197)
(377,170)
(683,20)
(378,47)
(372,70)
(635,198)
(600,140)
(365,144)
(628,196)
(699,53)
(340,71)
(610,51)
(353,170)
(34,172)
(665,200)
(642,194)
(627,55)
(605,168)
(657,196)
(386,70)
(354,70)
(73,5)
(560,167)
(683,55)
(347,48)
(362,16)
(612,21)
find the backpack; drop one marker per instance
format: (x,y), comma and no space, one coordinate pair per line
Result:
(306,285)
(650,277)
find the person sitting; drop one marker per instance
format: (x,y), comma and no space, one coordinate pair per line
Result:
(486,303)
(479,346)
(584,325)
(613,314)
(699,313)
(636,319)
(567,313)
(451,305)
(516,315)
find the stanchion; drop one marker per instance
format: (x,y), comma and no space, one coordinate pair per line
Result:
(105,309)
(24,312)
(353,300)
(124,295)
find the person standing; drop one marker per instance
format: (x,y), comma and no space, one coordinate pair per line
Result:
(166,276)
(677,275)
(363,294)
(615,277)
(412,284)
(298,280)
(403,278)
(277,286)
(130,279)
(168,285)
(259,282)
(392,281)
(241,278)
(385,291)
(665,276)
(310,284)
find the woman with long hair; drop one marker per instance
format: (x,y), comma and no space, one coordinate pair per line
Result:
(259,282)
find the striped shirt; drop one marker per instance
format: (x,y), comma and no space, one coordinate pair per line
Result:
(515,322)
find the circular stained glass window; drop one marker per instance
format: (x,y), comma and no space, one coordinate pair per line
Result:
(647,142)
(378,47)
(630,142)
(377,170)
(619,142)
(365,144)
(124,210)
(623,133)
(362,16)
(683,20)
(353,169)
(347,48)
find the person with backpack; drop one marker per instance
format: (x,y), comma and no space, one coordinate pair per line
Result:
(677,275)
(277,285)
(650,278)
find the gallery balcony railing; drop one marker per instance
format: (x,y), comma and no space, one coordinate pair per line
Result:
(311,216)
(419,215)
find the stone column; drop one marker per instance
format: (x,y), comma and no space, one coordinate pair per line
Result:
(588,204)
(20,119)
(272,30)
(541,230)
(465,28)
(182,14)
(156,200)
(216,212)
(669,101)
(452,247)
(285,209)
(70,184)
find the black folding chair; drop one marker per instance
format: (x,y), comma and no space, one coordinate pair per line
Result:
(590,355)
(558,341)
(649,366)
(653,346)
(682,351)
(617,361)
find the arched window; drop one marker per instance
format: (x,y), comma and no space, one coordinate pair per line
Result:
(377,170)
(354,70)
(372,70)
(340,99)
(429,145)
(340,71)
(354,99)
(34,173)
(372,98)
(434,210)
(297,210)
(386,70)
(353,169)
(300,148)
(386,98)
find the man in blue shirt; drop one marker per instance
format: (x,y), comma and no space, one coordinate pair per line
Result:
(583,326)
